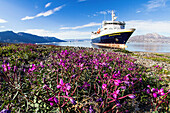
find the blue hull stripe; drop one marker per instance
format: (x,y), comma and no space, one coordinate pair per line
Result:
(116,38)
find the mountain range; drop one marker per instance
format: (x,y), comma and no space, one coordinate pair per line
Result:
(150,37)
(21,37)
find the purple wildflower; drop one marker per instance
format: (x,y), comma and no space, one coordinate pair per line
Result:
(64,87)
(154,90)
(148,91)
(118,104)
(123,87)
(32,68)
(99,100)
(5,67)
(52,100)
(44,80)
(15,67)
(45,86)
(115,94)
(132,96)
(85,85)
(161,92)
(8,66)
(73,76)
(91,109)
(117,82)
(104,86)
(95,67)
(41,64)
(154,95)
(105,75)
(73,101)
(5,111)
(148,86)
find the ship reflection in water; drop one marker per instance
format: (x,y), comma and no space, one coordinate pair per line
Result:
(142,47)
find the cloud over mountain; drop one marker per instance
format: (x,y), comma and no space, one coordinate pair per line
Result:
(149,26)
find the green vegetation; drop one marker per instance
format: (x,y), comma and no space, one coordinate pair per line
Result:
(159,59)
(45,78)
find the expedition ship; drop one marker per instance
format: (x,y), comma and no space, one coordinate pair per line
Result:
(112,33)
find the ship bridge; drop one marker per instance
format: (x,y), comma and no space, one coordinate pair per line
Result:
(113,25)
(110,25)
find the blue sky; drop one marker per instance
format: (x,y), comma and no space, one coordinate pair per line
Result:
(74,19)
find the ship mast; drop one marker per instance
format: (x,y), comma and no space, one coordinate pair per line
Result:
(113,16)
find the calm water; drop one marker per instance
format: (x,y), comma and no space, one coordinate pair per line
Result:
(143,47)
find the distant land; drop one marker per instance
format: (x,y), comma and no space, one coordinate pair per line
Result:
(147,38)
(150,38)
(21,37)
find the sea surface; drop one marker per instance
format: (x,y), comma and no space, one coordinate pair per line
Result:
(140,47)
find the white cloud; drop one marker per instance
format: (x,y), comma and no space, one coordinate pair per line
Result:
(83,26)
(27,18)
(47,13)
(138,11)
(101,12)
(149,26)
(60,35)
(2,26)
(48,4)
(58,8)
(142,27)
(2,21)
(153,4)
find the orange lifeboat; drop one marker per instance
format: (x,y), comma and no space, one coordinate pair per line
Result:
(98,31)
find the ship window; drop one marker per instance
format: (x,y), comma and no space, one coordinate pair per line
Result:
(105,28)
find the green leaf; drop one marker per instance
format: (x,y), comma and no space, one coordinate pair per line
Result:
(15,95)
(155,112)
(27,106)
(36,73)
(57,110)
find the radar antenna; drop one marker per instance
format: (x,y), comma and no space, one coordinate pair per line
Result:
(113,16)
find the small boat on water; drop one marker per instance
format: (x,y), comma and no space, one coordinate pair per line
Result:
(112,34)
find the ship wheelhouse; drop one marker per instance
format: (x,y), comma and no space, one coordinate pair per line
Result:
(111,25)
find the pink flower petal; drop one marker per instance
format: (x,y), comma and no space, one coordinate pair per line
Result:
(55,100)
(132,96)
(51,103)
(58,86)
(51,99)
(104,86)
(154,95)
(67,93)
(61,82)
(68,87)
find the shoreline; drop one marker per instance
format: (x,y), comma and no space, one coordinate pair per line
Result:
(143,58)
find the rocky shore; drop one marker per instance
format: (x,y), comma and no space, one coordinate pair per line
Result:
(143,59)
(147,59)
